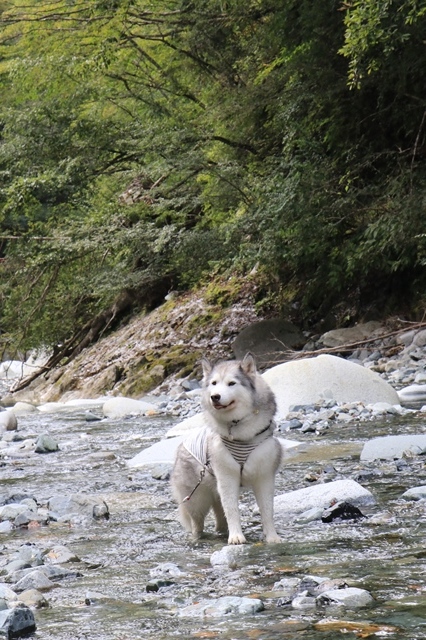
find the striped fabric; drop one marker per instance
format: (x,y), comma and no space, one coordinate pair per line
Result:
(196,445)
(240,451)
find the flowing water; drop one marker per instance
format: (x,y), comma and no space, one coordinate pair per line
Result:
(384,553)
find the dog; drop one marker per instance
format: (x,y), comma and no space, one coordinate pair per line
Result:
(236,448)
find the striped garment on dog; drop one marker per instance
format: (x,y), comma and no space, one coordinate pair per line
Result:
(196,445)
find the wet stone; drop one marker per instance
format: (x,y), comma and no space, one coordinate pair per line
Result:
(156,585)
(6,526)
(342,511)
(161,472)
(227,605)
(350,598)
(229,556)
(166,569)
(17,622)
(34,580)
(46,444)
(34,599)
(60,554)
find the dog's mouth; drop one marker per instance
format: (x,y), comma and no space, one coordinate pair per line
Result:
(218,405)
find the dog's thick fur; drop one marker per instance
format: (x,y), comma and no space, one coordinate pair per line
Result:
(239,408)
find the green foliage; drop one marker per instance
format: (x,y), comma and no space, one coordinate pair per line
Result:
(144,144)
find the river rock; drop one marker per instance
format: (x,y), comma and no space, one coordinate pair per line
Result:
(159,453)
(290,504)
(412,396)
(6,526)
(77,504)
(349,335)
(59,554)
(269,341)
(46,444)
(227,605)
(11,511)
(350,598)
(415,493)
(229,556)
(341,511)
(34,599)
(35,579)
(8,421)
(17,622)
(122,407)
(6,593)
(325,377)
(24,407)
(393,447)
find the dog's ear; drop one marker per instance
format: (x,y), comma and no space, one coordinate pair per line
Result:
(207,367)
(248,364)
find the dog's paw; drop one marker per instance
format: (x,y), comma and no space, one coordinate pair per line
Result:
(237,539)
(273,538)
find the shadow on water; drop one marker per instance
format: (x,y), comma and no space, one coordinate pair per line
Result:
(384,553)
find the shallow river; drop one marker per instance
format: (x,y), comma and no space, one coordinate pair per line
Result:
(384,553)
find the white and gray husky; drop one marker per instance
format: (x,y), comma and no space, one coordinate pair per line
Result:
(237,448)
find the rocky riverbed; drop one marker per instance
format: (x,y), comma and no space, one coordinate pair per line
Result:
(93,548)
(90,545)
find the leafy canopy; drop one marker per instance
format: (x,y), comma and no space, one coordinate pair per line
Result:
(146,142)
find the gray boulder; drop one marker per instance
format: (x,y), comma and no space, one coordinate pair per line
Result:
(415,493)
(122,407)
(350,335)
(268,341)
(35,579)
(79,504)
(393,447)
(17,622)
(46,444)
(350,598)
(227,605)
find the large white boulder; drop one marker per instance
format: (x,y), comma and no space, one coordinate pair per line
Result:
(187,425)
(121,407)
(326,377)
(162,452)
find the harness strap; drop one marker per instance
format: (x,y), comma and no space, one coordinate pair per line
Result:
(240,450)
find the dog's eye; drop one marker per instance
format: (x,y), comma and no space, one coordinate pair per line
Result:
(231,384)
(214,382)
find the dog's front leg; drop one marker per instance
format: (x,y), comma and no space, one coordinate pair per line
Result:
(263,488)
(229,491)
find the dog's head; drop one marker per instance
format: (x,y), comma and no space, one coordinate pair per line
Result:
(229,386)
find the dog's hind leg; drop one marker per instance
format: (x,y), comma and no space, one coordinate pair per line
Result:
(194,511)
(221,524)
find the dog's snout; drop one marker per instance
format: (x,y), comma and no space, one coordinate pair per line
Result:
(215,397)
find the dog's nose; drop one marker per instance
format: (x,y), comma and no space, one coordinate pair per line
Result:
(215,397)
